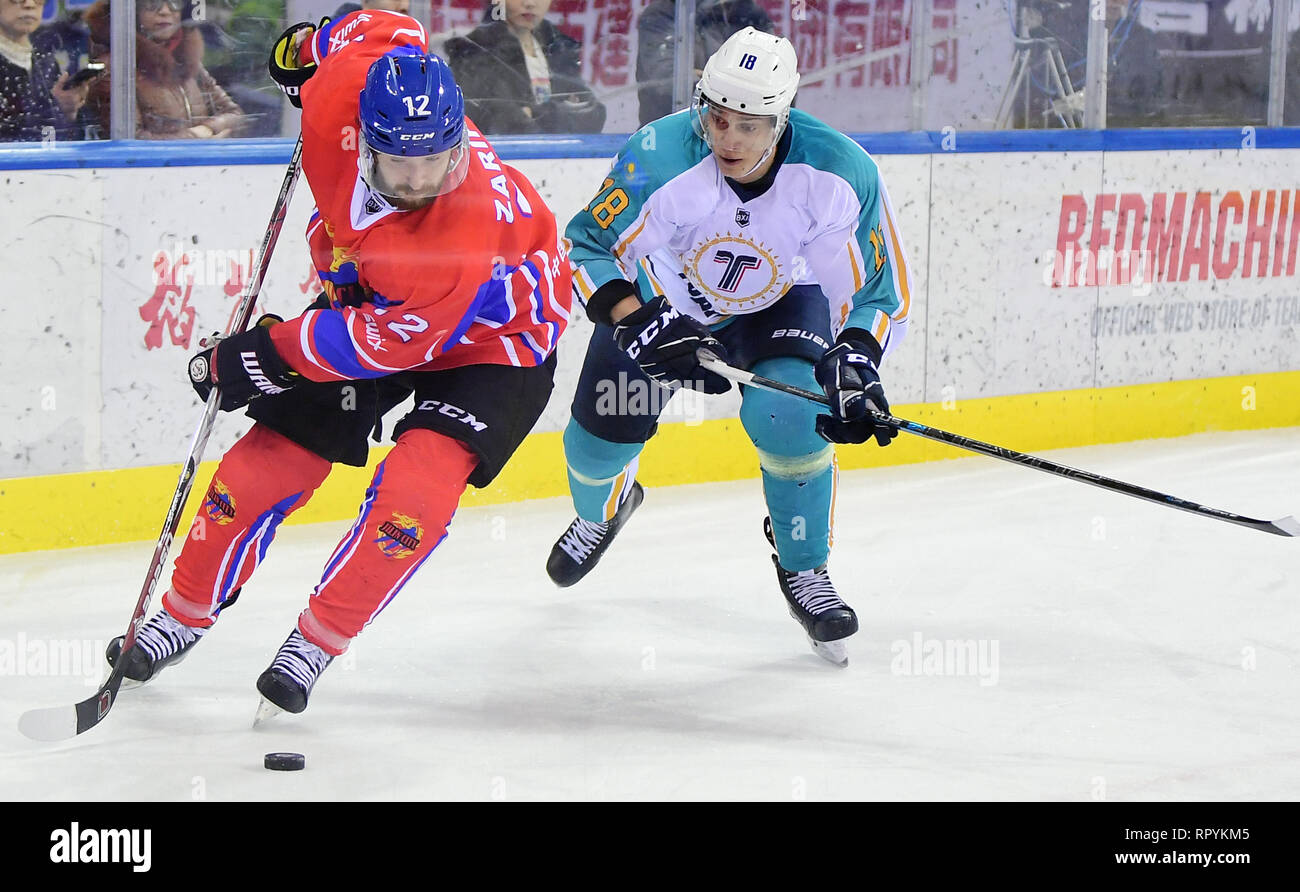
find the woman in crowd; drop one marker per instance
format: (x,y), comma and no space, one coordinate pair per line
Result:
(520,74)
(36,101)
(175,98)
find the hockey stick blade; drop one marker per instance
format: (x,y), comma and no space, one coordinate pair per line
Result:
(49,725)
(1286,526)
(61,722)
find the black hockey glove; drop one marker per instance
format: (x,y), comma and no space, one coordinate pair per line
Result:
(663,342)
(848,375)
(287,72)
(243,366)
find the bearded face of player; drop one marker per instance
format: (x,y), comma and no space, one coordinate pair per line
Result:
(742,144)
(411,182)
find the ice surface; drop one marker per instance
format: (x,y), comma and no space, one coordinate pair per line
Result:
(1114,649)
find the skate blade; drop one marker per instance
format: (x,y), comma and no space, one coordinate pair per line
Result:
(265,710)
(831,651)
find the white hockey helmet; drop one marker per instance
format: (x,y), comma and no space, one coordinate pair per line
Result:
(754,73)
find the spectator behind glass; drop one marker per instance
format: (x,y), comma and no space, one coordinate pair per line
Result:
(35,99)
(402,6)
(520,74)
(175,97)
(715,21)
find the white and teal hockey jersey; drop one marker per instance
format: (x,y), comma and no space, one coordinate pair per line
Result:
(666,218)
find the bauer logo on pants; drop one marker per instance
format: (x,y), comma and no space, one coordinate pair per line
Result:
(399,536)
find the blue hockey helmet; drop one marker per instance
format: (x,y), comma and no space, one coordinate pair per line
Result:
(411,108)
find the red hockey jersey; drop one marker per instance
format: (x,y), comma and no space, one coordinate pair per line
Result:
(481,275)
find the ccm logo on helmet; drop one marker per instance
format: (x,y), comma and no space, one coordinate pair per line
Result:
(416,137)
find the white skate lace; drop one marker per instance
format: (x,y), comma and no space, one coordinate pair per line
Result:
(164,635)
(300,660)
(813,590)
(582,537)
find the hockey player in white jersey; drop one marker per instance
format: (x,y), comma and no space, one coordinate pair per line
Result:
(759,233)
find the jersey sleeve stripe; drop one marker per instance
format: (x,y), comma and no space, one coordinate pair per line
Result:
(511,353)
(320,46)
(334,345)
(539,355)
(533,276)
(855,261)
(626,239)
(304,341)
(897,259)
(491,292)
(880,327)
(584,284)
(654,281)
(551,296)
(376,368)
(548,276)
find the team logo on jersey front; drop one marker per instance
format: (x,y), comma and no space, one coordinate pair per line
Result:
(399,536)
(738,274)
(219,506)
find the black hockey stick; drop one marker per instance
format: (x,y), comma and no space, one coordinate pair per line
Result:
(1284,526)
(62,722)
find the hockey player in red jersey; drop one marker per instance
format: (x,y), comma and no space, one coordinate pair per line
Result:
(445,276)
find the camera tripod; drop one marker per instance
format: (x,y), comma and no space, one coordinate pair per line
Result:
(1058,97)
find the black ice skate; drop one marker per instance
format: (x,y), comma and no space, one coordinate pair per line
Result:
(814,602)
(161,642)
(288,681)
(582,544)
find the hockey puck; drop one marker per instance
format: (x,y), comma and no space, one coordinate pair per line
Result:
(285,761)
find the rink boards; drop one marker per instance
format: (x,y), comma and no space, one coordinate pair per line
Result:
(1100,291)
